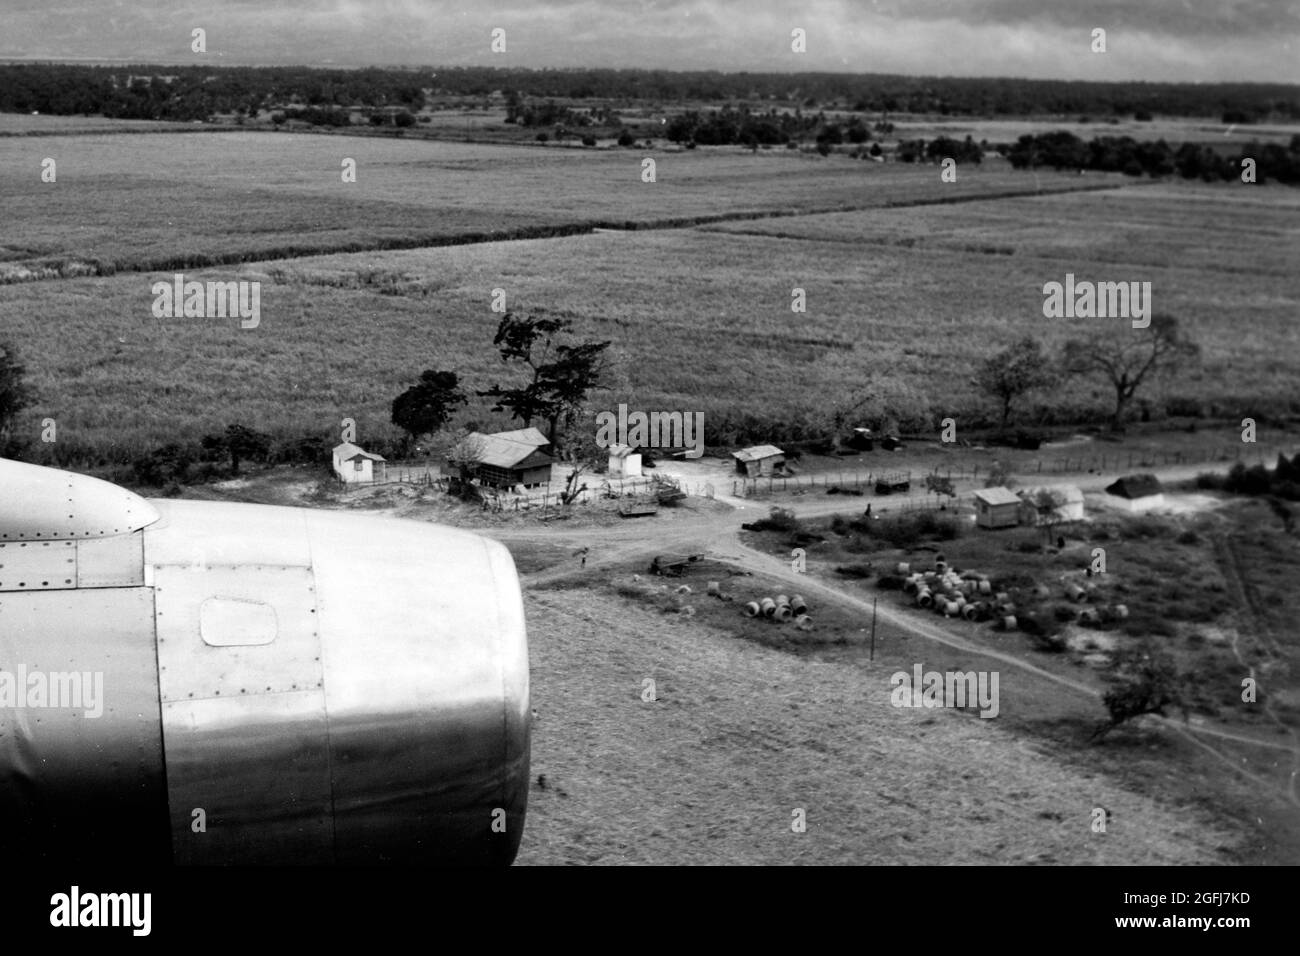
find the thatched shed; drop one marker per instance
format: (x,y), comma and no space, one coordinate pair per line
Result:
(1136,493)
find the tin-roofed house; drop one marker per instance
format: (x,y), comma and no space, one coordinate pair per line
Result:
(1136,493)
(997,508)
(507,459)
(759,460)
(353,464)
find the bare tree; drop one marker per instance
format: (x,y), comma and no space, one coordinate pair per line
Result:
(1048,515)
(1126,358)
(462,457)
(937,485)
(580,453)
(999,476)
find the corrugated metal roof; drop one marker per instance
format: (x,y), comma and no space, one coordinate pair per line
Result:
(997,496)
(502,452)
(348,451)
(528,436)
(756,452)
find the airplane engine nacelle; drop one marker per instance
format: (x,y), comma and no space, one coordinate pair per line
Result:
(215,683)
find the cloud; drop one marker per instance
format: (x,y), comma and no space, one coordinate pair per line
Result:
(1146,39)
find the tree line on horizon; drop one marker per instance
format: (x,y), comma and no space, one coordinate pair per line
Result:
(195,92)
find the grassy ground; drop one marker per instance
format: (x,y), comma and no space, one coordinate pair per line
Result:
(1177,575)
(741,735)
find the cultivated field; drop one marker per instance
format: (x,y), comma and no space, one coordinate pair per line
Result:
(907,297)
(171,200)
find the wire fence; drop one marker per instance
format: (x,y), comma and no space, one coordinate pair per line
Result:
(1098,462)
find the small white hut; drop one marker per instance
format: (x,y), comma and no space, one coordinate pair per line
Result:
(354,464)
(624,462)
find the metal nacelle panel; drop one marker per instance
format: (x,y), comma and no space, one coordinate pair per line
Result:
(244,725)
(190,667)
(201,533)
(44,504)
(426,669)
(116,562)
(38,565)
(78,788)
(248,779)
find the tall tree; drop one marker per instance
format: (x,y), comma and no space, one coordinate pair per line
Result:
(427,406)
(1128,357)
(559,375)
(239,443)
(1013,372)
(15,394)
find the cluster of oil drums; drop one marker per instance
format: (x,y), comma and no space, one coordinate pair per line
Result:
(781,609)
(968,595)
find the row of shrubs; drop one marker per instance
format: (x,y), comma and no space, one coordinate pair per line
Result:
(1283,481)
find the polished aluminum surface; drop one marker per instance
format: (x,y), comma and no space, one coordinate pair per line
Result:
(319,687)
(60,565)
(77,788)
(413,637)
(243,717)
(426,686)
(44,503)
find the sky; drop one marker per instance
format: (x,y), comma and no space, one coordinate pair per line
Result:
(1168,40)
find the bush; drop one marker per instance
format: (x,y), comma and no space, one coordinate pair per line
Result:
(890,582)
(588,141)
(1146,683)
(164,466)
(1209,481)
(625,138)
(1254,480)
(854,570)
(543,137)
(778,519)
(404,119)
(906,529)
(1148,527)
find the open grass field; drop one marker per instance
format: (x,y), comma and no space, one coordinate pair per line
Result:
(176,200)
(742,734)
